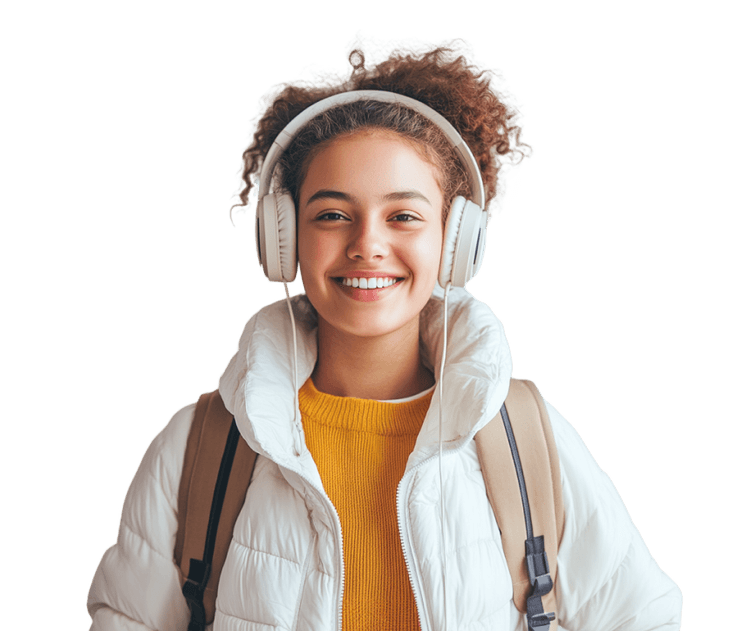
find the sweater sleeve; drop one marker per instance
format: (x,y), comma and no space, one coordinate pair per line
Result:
(137,584)
(606,577)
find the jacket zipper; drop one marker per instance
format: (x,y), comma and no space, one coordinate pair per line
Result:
(339,542)
(408,555)
(340,625)
(406,537)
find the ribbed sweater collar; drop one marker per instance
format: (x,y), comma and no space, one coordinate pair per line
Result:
(363,415)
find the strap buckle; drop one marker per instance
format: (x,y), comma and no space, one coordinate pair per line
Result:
(541,584)
(541,621)
(193,589)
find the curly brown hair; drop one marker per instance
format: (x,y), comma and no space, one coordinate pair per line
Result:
(440,78)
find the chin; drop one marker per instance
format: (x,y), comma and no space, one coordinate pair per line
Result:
(372,326)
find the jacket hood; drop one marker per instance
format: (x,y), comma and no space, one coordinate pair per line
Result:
(258,386)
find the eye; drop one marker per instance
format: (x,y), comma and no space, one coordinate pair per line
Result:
(405,217)
(330,215)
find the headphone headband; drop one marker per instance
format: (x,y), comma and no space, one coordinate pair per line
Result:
(287,135)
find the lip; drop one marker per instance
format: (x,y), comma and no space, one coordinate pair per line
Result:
(366,295)
(367,274)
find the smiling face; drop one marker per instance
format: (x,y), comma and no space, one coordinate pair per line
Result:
(369,234)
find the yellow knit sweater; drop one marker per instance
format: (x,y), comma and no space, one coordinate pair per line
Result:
(361,447)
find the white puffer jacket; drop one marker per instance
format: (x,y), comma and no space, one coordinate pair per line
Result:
(285,564)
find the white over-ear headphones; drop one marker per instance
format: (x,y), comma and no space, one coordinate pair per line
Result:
(465,227)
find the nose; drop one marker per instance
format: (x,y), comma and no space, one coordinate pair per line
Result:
(369,241)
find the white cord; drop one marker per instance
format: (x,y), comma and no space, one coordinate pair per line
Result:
(297,420)
(440,450)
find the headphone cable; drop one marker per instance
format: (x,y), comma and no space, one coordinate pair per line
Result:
(440,450)
(297,420)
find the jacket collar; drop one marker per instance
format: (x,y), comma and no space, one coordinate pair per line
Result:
(258,388)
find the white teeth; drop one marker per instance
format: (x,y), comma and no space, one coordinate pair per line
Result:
(368,283)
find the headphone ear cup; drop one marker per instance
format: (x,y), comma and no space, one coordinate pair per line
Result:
(450,238)
(481,242)
(463,243)
(276,234)
(287,227)
(260,249)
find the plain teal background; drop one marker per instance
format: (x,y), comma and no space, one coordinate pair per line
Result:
(618,260)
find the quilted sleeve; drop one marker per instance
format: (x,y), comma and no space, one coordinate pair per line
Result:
(607,579)
(137,585)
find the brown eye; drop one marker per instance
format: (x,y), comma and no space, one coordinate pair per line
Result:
(405,218)
(331,215)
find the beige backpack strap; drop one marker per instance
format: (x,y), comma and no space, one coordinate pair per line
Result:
(217,471)
(541,467)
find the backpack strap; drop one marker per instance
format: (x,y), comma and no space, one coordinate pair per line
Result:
(525,430)
(217,471)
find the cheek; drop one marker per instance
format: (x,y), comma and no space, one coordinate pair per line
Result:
(424,256)
(315,252)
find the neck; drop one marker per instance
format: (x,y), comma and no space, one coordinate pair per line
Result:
(384,367)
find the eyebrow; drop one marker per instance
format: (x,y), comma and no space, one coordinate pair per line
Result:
(345,197)
(401,195)
(326,193)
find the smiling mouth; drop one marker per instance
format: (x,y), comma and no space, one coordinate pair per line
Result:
(369,283)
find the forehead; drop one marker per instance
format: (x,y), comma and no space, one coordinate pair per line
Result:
(376,161)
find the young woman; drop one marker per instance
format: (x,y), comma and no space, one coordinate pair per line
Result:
(367,508)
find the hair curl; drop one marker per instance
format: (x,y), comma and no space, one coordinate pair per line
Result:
(440,78)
